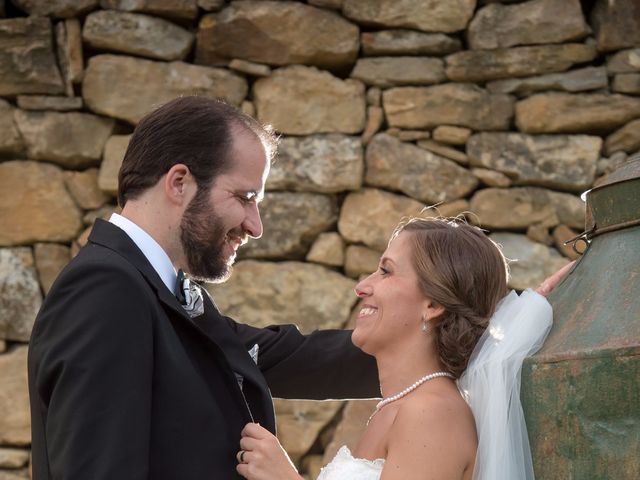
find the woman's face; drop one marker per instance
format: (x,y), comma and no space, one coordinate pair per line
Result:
(392,304)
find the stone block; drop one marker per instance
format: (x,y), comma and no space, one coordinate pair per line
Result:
(626,83)
(527,23)
(407,42)
(21,297)
(72,139)
(300,422)
(625,139)
(277,33)
(325,163)
(69,50)
(45,102)
(114,150)
(565,162)
(35,205)
(491,178)
(616,24)
(451,135)
(575,113)
(370,216)
(485,65)
(461,105)
(27,60)
(625,61)
(393,71)
(250,68)
(375,118)
(11,142)
(15,422)
(444,151)
(84,189)
(13,457)
(310,296)
(178,9)
(530,263)
(425,15)
(50,259)
(128,88)
(360,260)
(327,249)
(580,80)
(137,34)
(517,208)
(317,102)
(422,175)
(291,222)
(56,8)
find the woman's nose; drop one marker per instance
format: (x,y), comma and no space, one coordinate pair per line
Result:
(362,290)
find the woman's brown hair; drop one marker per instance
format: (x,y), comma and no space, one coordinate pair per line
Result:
(462,270)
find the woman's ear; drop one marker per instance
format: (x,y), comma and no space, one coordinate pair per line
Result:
(432,311)
(179,185)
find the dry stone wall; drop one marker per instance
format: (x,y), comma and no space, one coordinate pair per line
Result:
(501,111)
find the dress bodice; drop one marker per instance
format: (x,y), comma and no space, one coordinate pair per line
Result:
(345,466)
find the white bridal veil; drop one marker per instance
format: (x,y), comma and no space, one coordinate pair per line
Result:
(491,385)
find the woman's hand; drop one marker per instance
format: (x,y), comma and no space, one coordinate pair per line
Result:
(262,457)
(551,282)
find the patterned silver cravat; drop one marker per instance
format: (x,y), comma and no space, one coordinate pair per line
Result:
(189,295)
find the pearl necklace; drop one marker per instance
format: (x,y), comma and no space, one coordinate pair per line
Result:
(407,391)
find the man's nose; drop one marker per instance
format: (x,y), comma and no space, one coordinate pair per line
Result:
(253,223)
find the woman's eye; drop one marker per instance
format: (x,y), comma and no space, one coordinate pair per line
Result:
(383,270)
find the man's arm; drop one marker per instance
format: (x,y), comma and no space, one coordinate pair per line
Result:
(90,372)
(324,364)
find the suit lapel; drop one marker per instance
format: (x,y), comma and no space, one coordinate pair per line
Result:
(219,339)
(255,386)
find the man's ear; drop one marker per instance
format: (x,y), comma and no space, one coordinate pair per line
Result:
(179,185)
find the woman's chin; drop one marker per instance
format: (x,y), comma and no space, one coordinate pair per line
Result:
(358,340)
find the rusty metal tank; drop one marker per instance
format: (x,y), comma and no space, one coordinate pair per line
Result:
(581,392)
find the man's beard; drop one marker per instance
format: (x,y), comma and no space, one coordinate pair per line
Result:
(203,239)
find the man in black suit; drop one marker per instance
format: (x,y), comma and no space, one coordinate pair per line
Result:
(128,381)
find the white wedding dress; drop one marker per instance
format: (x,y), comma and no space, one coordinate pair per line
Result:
(491,387)
(345,467)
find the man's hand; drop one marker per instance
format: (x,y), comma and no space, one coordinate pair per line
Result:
(552,282)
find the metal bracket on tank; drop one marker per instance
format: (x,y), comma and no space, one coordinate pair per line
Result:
(582,239)
(586,236)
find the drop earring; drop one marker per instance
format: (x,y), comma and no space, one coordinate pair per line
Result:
(425,327)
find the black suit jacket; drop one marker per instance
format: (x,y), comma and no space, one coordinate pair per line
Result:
(124,385)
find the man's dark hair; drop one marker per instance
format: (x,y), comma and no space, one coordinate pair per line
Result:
(194,131)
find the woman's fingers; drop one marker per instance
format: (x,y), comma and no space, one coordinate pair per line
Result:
(249,443)
(243,470)
(551,282)
(254,430)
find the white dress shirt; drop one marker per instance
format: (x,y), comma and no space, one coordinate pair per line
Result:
(157,257)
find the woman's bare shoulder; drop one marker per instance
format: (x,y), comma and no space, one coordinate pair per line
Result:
(433,431)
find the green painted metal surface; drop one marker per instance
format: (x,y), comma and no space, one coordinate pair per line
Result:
(581,392)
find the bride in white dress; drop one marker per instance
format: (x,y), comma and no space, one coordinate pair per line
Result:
(449,344)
